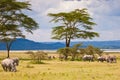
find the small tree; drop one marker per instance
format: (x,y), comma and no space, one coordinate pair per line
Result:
(91,50)
(82,51)
(69,51)
(75,51)
(38,56)
(99,51)
(64,52)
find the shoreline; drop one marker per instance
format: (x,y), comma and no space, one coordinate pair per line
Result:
(28,50)
(111,50)
(104,50)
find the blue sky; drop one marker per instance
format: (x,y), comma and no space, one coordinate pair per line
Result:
(106,14)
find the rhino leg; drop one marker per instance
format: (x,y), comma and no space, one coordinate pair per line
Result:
(4,67)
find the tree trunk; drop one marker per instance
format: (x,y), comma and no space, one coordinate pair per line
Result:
(8,49)
(8,46)
(67,45)
(67,42)
(65,57)
(73,57)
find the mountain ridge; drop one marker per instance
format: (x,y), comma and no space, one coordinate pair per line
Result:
(25,44)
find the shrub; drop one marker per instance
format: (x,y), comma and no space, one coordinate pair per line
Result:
(38,56)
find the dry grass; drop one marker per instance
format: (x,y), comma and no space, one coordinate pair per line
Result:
(21,55)
(62,70)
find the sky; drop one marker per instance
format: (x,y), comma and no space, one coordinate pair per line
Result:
(105,13)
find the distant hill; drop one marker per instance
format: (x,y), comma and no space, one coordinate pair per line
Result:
(102,44)
(24,44)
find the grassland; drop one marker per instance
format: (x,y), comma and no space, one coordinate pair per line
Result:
(61,70)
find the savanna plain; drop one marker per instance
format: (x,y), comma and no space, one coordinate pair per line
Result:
(61,70)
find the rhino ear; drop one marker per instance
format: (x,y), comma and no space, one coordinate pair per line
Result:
(15,64)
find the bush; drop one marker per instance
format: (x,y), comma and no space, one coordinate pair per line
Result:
(38,56)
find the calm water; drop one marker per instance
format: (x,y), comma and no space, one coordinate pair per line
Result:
(111,50)
(105,50)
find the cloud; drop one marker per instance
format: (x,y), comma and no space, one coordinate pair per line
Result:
(39,35)
(104,12)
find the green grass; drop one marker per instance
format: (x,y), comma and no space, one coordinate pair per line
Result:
(62,70)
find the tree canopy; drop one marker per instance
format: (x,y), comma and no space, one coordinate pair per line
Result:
(74,24)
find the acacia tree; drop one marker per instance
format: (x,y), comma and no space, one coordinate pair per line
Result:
(74,24)
(13,21)
(38,56)
(9,39)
